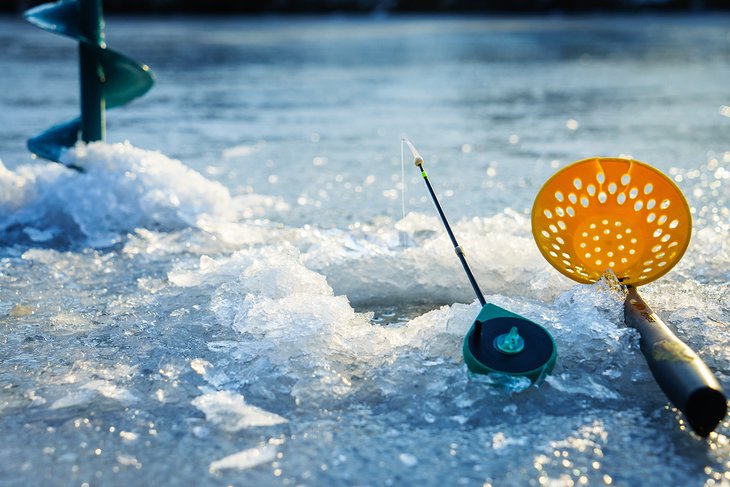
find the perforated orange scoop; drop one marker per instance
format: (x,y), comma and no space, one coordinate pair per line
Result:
(620,214)
(611,213)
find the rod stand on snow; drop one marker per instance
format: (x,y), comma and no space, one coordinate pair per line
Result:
(498,341)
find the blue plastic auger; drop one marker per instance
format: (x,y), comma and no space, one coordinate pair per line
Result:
(108,78)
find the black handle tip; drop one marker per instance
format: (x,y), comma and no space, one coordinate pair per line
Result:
(704,410)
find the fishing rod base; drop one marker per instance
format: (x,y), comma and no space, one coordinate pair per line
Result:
(485,351)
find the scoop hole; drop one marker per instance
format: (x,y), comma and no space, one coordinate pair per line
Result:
(545,233)
(572,198)
(577,183)
(602,197)
(588,255)
(559,196)
(648,188)
(566,255)
(662,220)
(601,178)
(673,244)
(638,205)
(583,245)
(662,264)
(656,248)
(559,211)
(560,240)
(625,179)
(553,254)
(611,264)
(556,246)
(553,228)
(607,232)
(570,211)
(621,198)
(633,193)
(548,213)
(674,224)
(657,232)
(599,262)
(612,188)
(651,217)
(650,204)
(665,238)
(591,189)
(665,204)
(584,202)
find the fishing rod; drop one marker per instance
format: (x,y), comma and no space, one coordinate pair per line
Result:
(498,340)
(418,160)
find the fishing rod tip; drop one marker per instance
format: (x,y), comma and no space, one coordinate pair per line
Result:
(417,159)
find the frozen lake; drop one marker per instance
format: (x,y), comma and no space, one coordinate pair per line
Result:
(234,297)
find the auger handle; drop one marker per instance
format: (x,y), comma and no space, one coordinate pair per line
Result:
(680,372)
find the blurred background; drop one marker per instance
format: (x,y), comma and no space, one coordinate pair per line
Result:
(364,6)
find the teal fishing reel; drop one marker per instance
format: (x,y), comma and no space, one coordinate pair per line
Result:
(108,78)
(499,341)
(503,342)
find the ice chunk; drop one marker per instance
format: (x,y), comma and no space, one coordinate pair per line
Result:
(229,412)
(244,459)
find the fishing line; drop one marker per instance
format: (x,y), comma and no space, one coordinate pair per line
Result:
(402,190)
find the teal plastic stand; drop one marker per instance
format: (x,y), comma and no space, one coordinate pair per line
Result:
(500,341)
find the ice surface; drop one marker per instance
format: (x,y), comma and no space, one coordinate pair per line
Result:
(254,310)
